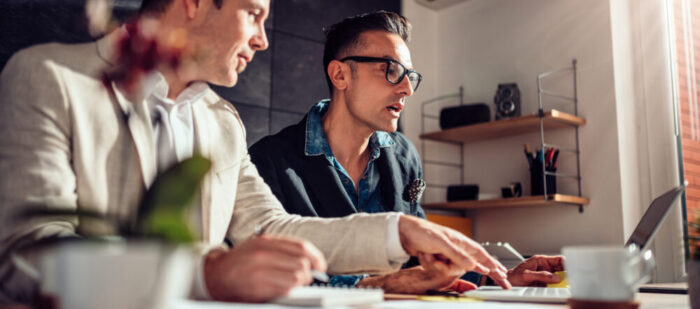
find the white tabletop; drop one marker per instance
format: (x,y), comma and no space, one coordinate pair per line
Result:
(647,300)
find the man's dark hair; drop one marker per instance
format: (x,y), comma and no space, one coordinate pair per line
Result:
(345,34)
(156,7)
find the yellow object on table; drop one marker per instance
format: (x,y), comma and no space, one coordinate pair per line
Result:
(564,283)
(448,298)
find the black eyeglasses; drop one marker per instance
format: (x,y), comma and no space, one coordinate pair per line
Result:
(395,71)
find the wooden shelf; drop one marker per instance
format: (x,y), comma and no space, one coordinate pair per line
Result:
(553,120)
(515,202)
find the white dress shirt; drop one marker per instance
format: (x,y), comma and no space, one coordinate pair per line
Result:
(172,120)
(173,128)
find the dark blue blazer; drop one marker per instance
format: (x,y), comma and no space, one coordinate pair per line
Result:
(310,186)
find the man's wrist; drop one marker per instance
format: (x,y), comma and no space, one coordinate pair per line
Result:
(209,271)
(199,288)
(394,247)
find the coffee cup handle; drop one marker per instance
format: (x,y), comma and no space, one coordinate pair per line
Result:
(648,258)
(25,267)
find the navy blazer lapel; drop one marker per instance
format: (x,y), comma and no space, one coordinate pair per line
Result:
(390,181)
(327,188)
(323,181)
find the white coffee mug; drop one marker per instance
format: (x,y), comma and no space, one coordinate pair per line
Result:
(609,273)
(114,275)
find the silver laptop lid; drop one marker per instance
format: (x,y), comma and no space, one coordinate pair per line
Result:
(655,214)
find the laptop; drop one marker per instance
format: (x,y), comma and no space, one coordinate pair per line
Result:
(641,237)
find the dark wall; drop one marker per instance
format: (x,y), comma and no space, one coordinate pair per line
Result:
(282,83)
(24,23)
(277,88)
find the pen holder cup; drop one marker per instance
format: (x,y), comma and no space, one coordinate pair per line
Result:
(536,183)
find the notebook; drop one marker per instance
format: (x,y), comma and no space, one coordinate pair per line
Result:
(328,296)
(641,237)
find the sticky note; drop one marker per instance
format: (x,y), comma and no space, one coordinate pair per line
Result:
(563,283)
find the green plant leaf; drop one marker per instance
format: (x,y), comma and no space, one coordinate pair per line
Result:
(162,212)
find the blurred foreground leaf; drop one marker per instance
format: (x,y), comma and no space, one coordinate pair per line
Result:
(163,209)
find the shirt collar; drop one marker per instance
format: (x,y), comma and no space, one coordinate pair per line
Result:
(154,84)
(316,142)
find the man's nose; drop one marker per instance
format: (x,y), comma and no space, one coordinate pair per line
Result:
(259,41)
(405,87)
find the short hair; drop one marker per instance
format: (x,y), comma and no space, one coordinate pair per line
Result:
(345,35)
(157,7)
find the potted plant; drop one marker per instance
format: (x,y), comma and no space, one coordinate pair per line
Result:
(144,261)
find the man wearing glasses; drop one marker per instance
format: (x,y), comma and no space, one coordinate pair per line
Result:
(345,156)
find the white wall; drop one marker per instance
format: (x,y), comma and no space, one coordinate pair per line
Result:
(423,46)
(486,42)
(624,93)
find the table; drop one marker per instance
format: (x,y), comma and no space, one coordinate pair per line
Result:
(647,300)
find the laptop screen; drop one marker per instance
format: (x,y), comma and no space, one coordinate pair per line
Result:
(655,214)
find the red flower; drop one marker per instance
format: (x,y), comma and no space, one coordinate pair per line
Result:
(137,54)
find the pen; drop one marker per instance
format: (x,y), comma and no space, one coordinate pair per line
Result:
(554,159)
(442,293)
(548,158)
(318,276)
(528,155)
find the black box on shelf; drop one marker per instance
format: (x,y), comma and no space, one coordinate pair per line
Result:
(462,193)
(463,115)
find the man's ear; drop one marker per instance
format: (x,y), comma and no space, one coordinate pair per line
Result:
(191,7)
(339,74)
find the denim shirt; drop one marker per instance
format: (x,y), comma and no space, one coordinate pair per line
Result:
(368,197)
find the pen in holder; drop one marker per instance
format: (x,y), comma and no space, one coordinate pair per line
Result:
(547,158)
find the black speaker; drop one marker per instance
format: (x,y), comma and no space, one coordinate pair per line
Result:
(462,193)
(457,116)
(507,100)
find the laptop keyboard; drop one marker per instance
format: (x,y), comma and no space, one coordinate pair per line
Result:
(533,294)
(545,292)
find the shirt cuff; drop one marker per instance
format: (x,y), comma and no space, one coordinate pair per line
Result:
(346,280)
(394,250)
(199,288)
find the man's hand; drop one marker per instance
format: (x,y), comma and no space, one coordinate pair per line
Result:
(447,250)
(537,271)
(261,269)
(417,280)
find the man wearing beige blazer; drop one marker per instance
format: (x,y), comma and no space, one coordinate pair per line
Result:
(69,141)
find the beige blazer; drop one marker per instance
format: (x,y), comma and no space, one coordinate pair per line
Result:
(67,141)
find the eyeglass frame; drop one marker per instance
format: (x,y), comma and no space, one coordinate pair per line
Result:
(388,61)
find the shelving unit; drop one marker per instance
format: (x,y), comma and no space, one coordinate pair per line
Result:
(525,201)
(544,120)
(553,120)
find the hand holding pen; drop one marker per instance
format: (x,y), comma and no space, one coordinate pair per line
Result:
(317,275)
(261,268)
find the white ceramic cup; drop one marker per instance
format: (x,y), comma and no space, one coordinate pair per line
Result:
(609,273)
(113,275)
